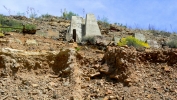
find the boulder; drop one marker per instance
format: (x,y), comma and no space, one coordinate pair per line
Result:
(101,40)
(31,42)
(116,40)
(153,44)
(139,36)
(91,26)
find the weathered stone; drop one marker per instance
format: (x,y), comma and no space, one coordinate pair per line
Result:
(83,28)
(101,40)
(22,52)
(91,26)
(14,64)
(112,97)
(116,40)
(153,44)
(76,23)
(95,74)
(109,91)
(53,84)
(31,42)
(35,85)
(139,36)
(104,69)
(106,98)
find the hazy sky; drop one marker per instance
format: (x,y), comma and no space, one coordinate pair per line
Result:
(161,14)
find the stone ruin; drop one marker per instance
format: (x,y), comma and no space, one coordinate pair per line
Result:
(81,27)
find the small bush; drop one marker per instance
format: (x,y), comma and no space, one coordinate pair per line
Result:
(0,28)
(163,33)
(33,15)
(69,15)
(45,16)
(9,22)
(104,21)
(156,32)
(1,34)
(131,41)
(30,27)
(8,25)
(172,44)
(8,29)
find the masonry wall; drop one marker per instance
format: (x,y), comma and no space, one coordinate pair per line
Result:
(91,26)
(84,27)
(76,23)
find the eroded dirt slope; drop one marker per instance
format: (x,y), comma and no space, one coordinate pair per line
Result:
(40,68)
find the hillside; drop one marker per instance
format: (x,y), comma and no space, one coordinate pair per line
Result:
(44,66)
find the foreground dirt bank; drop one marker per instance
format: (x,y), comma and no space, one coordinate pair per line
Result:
(120,73)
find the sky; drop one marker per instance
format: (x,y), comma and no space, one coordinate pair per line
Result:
(158,14)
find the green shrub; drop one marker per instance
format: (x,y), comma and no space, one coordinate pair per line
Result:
(104,21)
(69,15)
(163,33)
(156,32)
(7,29)
(1,34)
(9,22)
(8,25)
(33,15)
(30,27)
(172,44)
(13,25)
(131,41)
(20,14)
(0,28)
(45,16)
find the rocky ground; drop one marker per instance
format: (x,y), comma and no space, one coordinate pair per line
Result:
(35,67)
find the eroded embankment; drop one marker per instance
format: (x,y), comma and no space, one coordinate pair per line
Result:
(67,74)
(28,68)
(121,63)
